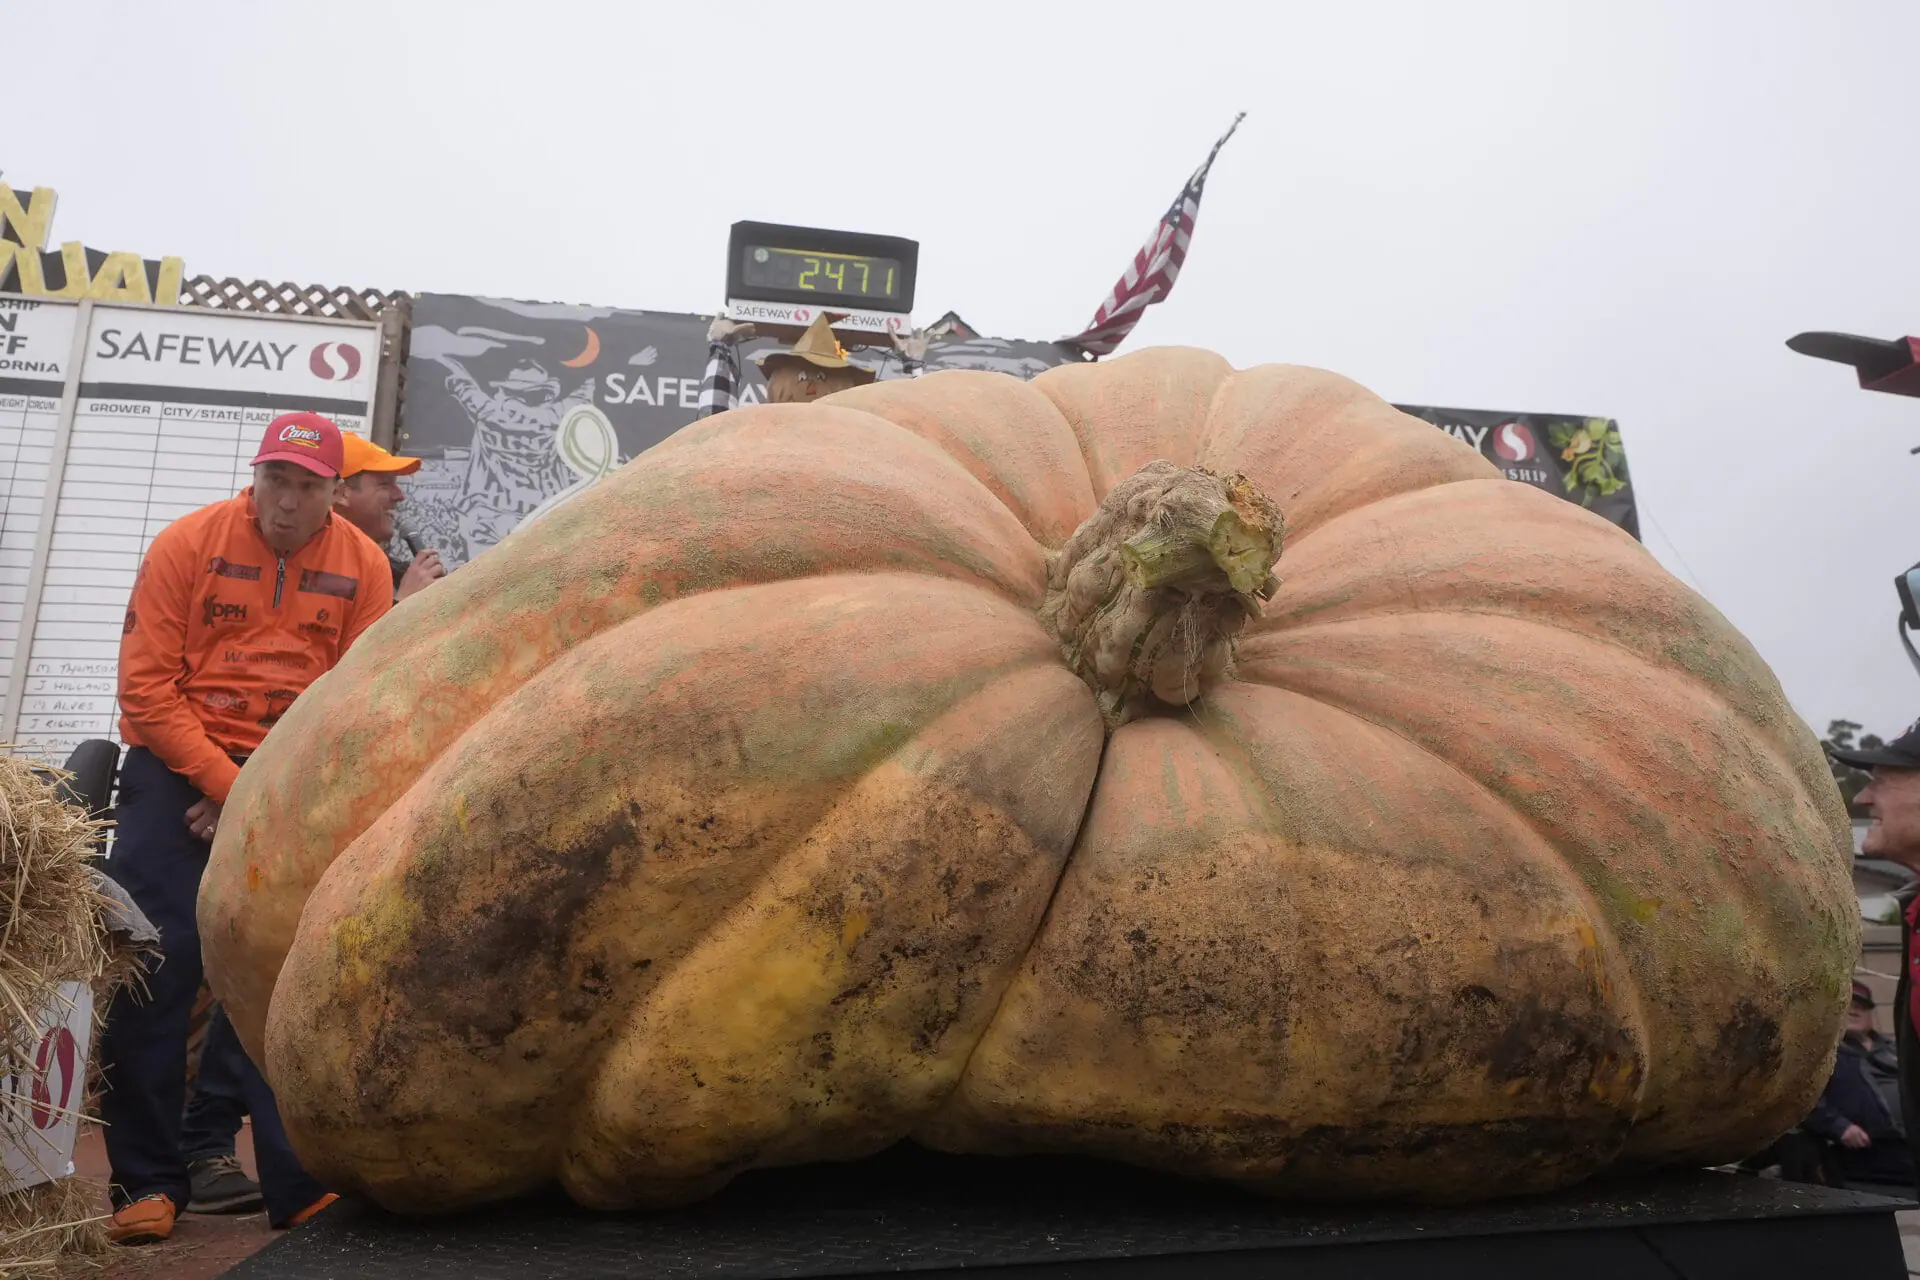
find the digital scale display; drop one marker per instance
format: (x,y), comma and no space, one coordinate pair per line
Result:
(874,281)
(819,270)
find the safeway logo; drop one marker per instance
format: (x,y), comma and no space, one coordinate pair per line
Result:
(1513,442)
(335,361)
(55,1061)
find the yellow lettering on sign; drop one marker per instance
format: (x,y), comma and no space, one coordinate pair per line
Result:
(73,256)
(32,222)
(172,271)
(122,278)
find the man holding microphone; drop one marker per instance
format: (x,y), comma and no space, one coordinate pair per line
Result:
(368,498)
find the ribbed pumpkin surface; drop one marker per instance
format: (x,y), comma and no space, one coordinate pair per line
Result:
(745,811)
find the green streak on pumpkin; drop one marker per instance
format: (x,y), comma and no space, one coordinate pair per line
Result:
(1297,613)
(470,657)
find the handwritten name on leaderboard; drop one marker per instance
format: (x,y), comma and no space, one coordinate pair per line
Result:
(76,706)
(107,667)
(63,724)
(57,685)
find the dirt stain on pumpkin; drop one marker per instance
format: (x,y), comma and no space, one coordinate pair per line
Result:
(1750,1043)
(510,951)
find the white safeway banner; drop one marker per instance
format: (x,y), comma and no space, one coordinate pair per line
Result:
(40,1108)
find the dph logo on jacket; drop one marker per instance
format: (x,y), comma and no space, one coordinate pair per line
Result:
(213,610)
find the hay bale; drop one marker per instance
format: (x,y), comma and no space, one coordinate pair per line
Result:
(43,1228)
(60,923)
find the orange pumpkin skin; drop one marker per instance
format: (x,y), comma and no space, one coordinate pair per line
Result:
(746,811)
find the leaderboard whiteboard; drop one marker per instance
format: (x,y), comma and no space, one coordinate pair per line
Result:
(163,418)
(36,344)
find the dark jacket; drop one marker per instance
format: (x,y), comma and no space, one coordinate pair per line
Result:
(1853,1096)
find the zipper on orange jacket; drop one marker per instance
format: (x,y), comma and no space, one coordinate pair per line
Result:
(279,581)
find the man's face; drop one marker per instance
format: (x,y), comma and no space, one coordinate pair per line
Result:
(367,501)
(1893,798)
(1859,1021)
(293,503)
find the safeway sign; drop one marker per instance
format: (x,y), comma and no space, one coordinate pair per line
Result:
(40,1106)
(153,354)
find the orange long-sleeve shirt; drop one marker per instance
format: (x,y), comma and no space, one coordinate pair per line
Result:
(223,633)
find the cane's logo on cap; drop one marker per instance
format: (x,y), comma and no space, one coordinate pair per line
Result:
(294,434)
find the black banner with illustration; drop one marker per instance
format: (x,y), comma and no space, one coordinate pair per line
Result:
(515,406)
(1580,459)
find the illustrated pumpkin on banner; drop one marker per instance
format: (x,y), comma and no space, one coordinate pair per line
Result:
(960,759)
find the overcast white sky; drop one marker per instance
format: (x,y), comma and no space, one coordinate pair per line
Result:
(1621,208)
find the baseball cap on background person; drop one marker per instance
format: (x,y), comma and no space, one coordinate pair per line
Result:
(1862,995)
(1902,753)
(304,439)
(361,454)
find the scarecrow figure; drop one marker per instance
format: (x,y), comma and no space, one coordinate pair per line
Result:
(816,366)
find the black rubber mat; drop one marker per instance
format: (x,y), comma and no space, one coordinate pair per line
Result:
(912,1211)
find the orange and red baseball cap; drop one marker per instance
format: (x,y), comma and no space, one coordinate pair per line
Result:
(304,439)
(362,454)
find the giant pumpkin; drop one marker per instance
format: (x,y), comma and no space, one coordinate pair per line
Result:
(952,760)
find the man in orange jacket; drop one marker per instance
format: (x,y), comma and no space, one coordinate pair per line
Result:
(366,499)
(238,607)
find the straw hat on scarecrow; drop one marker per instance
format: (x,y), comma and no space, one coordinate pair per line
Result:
(816,365)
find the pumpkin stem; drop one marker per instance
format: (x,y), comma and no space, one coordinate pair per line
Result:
(1147,596)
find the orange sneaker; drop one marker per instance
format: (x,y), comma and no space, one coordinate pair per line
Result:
(312,1209)
(147,1220)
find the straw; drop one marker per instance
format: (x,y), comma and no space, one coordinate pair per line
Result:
(53,931)
(46,1228)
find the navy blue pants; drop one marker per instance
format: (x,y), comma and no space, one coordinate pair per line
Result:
(212,1118)
(143,1049)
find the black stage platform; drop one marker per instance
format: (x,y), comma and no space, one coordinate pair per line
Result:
(937,1216)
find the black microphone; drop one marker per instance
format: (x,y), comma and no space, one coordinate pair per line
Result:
(407,535)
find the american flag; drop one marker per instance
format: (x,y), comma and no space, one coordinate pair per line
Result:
(1154,269)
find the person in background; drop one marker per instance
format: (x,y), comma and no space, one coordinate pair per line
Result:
(238,607)
(367,499)
(1860,1107)
(1892,798)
